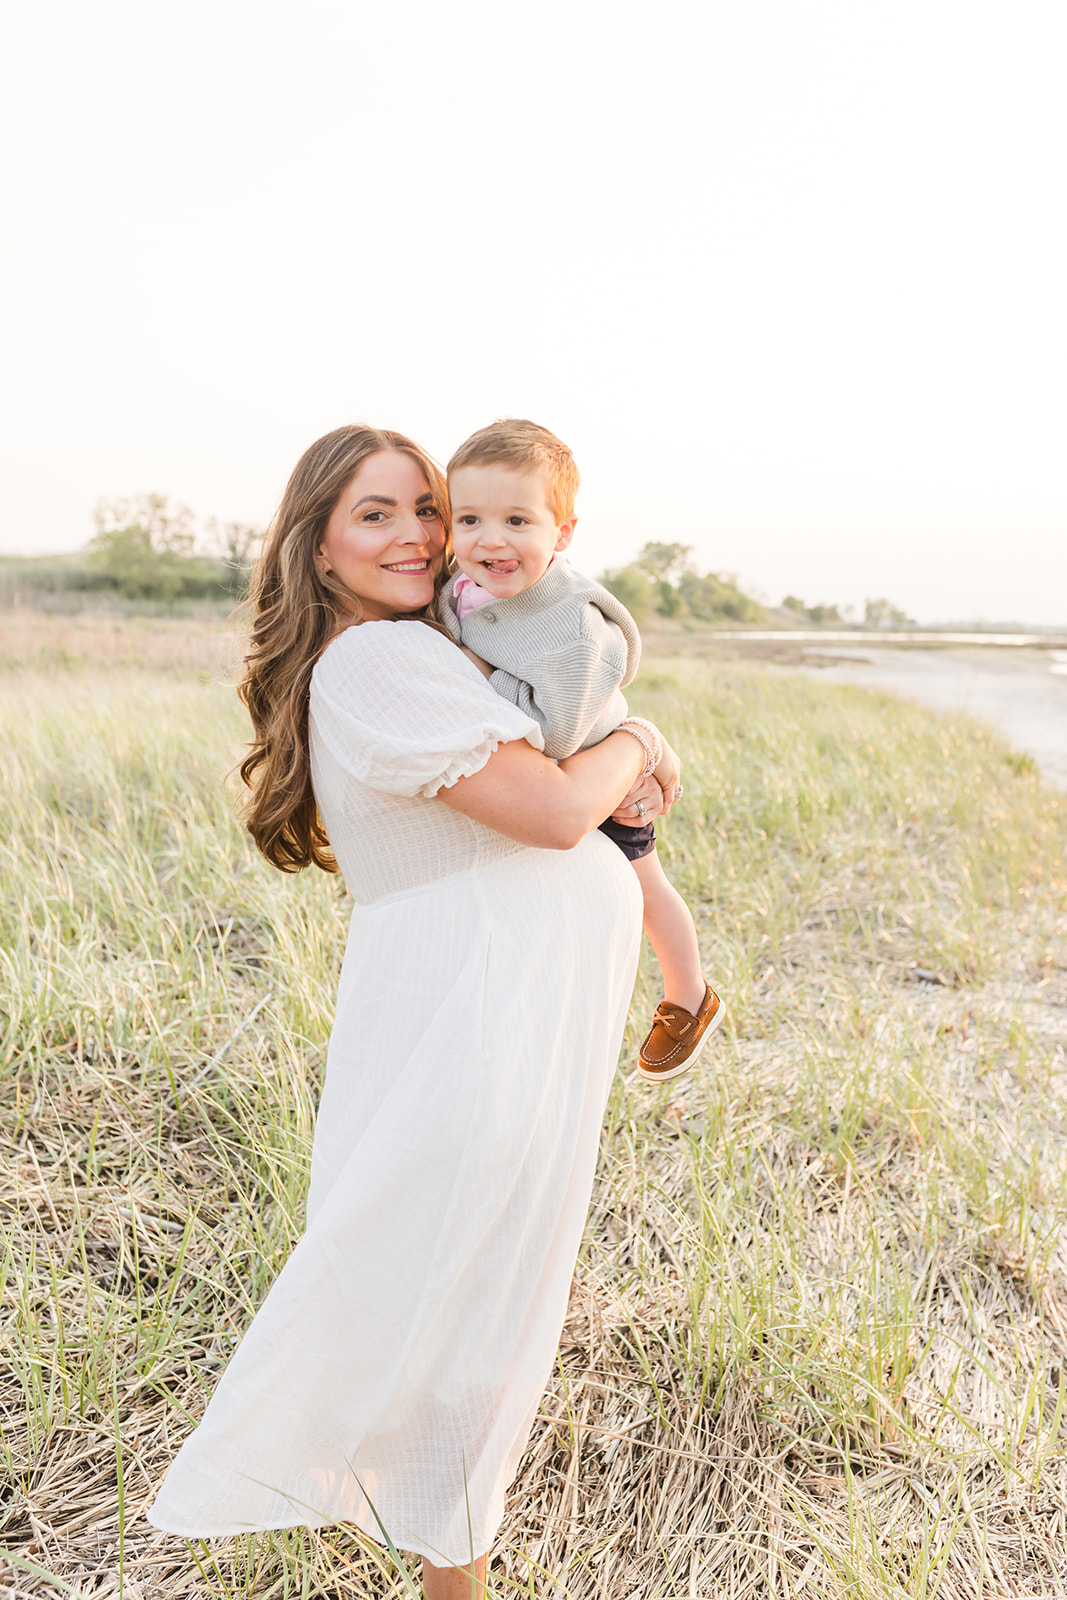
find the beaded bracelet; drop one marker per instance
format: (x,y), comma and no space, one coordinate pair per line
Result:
(648,737)
(653,733)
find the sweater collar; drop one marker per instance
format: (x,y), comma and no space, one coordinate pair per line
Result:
(555,582)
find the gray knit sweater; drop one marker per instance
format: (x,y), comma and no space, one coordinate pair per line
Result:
(562,651)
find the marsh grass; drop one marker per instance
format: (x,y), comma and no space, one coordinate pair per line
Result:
(818,1337)
(102,640)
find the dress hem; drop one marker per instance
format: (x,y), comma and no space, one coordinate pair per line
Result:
(436,1557)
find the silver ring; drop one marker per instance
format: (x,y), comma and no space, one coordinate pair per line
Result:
(678,791)
(641,807)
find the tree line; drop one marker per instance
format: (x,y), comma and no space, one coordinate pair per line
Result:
(663,580)
(147,547)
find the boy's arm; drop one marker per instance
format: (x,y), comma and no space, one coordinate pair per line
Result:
(572,689)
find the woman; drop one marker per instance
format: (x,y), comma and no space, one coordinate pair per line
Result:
(391,1376)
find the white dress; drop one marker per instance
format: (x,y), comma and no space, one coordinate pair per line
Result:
(392,1374)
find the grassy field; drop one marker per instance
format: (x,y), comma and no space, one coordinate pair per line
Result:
(818,1338)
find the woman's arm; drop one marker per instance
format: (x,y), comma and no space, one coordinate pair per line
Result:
(524,795)
(645,787)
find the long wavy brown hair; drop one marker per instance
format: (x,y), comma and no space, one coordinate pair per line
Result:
(296,609)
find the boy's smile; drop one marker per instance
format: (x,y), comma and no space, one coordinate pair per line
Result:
(504,532)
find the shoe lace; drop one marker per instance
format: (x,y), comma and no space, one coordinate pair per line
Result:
(676,1023)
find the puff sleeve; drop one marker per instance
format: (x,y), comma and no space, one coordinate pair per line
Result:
(402,709)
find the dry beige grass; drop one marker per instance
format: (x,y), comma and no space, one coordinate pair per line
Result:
(98,639)
(818,1338)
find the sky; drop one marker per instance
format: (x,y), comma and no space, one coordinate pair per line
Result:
(788,277)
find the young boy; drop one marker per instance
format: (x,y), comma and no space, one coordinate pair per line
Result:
(563,648)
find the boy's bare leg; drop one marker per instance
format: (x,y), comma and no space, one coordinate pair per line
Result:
(454,1583)
(672,935)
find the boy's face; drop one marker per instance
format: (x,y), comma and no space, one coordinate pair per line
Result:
(503,531)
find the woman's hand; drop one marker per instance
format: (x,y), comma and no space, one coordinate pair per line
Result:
(653,794)
(644,801)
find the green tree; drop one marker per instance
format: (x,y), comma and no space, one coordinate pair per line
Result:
(663,579)
(824,613)
(818,614)
(714,598)
(236,544)
(144,548)
(668,601)
(882,614)
(168,529)
(635,589)
(665,562)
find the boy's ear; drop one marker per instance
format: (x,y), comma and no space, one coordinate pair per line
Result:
(566,533)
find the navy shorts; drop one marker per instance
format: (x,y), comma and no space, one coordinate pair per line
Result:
(633,842)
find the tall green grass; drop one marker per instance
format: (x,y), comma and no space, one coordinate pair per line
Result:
(819,1331)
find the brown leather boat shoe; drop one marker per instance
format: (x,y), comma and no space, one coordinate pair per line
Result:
(677,1037)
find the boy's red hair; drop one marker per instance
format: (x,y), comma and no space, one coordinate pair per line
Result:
(516,442)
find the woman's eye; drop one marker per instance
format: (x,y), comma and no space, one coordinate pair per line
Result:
(430,513)
(373,516)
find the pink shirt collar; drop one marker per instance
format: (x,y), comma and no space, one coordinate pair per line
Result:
(468,595)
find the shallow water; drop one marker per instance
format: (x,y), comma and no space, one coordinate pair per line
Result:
(1022,693)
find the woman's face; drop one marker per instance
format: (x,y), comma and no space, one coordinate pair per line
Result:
(386,537)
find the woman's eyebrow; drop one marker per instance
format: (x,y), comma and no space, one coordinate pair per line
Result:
(387,500)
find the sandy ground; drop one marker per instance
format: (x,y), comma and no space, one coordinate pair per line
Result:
(1022,693)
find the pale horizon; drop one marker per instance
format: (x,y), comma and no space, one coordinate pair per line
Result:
(788,280)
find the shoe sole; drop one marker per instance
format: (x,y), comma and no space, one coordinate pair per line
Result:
(676,1072)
